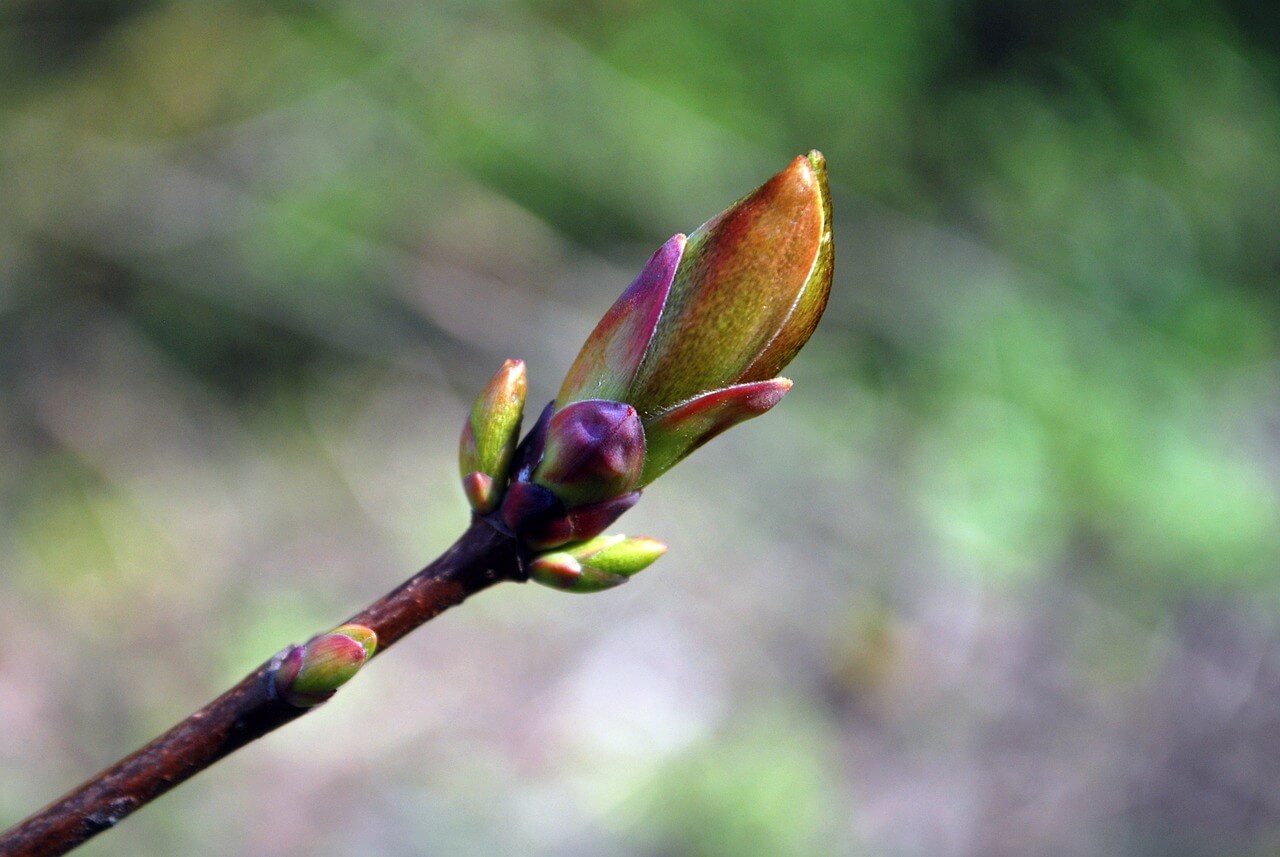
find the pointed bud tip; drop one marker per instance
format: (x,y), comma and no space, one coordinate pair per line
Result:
(366,637)
(808,171)
(804,176)
(611,356)
(513,377)
(747,294)
(505,392)
(672,435)
(627,556)
(650,545)
(480,492)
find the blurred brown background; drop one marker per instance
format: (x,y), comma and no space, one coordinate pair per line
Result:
(998,578)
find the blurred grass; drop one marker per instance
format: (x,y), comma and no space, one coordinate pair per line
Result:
(999,578)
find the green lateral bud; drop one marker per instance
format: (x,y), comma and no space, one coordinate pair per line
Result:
(627,556)
(490,434)
(311,673)
(600,563)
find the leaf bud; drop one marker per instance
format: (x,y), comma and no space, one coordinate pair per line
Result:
(311,673)
(489,436)
(597,564)
(594,450)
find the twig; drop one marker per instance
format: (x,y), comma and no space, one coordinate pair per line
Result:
(690,349)
(251,709)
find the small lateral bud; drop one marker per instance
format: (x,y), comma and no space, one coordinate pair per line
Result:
(600,563)
(594,451)
(489,436)
(311,673)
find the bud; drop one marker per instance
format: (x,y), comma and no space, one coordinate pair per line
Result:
(594,450)
(489,436)
(691,348)
(575,472)
(726,308)
(601,563)
(311,673)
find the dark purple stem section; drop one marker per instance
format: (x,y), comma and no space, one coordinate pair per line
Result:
(246,712)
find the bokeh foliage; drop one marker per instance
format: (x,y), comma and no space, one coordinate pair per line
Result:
(1000,576)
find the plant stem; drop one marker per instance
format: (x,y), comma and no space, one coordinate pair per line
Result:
(246,712)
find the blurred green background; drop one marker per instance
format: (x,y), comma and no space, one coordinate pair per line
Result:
(998,578)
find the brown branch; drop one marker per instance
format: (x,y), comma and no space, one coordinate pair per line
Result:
(246,712)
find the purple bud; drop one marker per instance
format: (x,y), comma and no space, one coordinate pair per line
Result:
(579,523)
(528,507)
(594,451)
